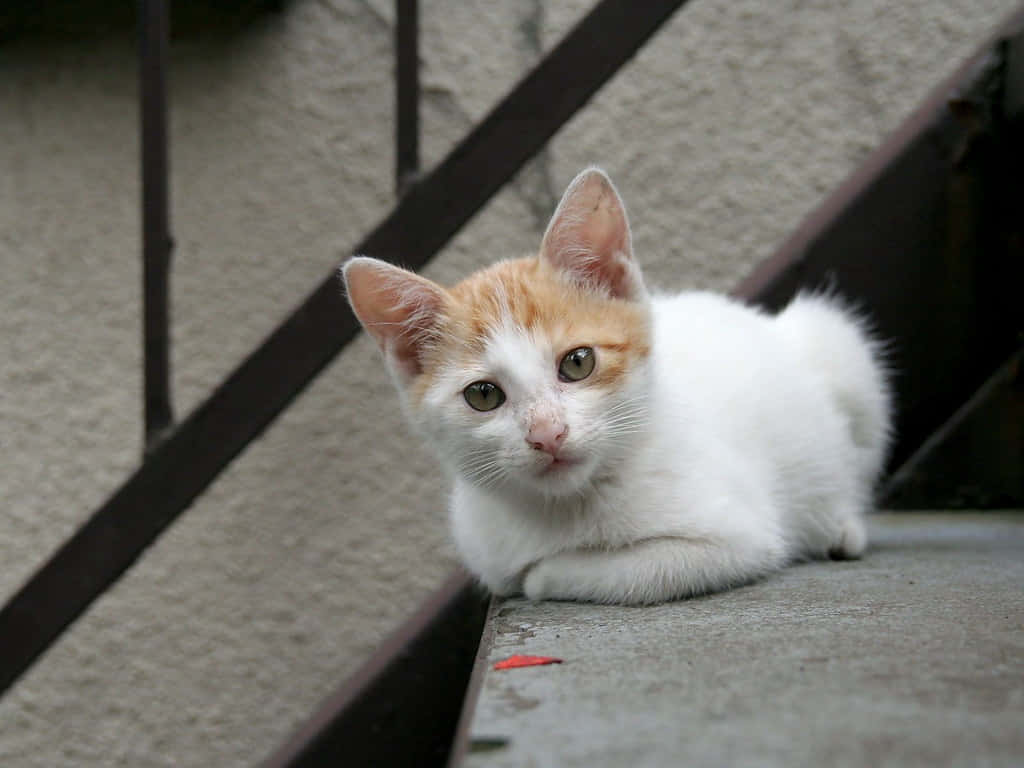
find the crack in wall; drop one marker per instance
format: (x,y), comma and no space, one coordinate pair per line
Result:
(854,64)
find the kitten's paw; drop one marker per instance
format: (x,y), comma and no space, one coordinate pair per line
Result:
(853,540)
(536,585)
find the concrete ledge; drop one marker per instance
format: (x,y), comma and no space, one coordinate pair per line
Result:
(911,656)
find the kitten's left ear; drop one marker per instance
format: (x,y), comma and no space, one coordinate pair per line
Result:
(589,238)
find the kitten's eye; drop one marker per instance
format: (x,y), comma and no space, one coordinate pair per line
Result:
(576,365)
(483,396)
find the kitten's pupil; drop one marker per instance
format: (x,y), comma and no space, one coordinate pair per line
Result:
(577,364)
(483,395)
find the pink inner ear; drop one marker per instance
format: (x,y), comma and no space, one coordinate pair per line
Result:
(605,228)
(400,309)
(589,236)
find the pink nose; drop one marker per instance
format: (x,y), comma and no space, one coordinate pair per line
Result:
(547,435)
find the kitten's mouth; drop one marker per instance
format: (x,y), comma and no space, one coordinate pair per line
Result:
(558,463)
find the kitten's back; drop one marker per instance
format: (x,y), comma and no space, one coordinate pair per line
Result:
(836,345)
(785,406)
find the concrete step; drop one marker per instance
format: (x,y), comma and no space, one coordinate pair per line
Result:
(912,656)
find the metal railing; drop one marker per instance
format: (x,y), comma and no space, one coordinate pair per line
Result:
(157,245)
(181,462)
(938,199)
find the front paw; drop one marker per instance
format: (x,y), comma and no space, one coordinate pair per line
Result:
(535,584)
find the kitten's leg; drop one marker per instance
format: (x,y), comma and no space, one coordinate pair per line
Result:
(853,539)
(651,571)
(846,535)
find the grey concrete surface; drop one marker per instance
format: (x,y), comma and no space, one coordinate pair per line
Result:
(722,134)
(913,656)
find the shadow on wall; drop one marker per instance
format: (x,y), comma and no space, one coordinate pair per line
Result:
(73,19)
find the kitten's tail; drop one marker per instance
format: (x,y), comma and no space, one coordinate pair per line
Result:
(837,342)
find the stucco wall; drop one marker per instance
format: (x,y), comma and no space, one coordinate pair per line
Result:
(727,129)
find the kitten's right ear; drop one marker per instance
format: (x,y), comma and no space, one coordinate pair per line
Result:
(399,309)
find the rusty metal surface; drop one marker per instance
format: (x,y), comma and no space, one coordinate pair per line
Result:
(461,737)
(402,706)
(976,459)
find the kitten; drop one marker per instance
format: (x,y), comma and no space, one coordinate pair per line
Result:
(614,446)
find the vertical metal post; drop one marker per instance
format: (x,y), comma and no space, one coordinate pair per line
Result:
(407,91)
(156,236)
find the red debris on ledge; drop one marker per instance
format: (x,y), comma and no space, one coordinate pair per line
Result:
(526,661)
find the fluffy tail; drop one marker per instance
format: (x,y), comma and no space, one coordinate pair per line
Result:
(836,342)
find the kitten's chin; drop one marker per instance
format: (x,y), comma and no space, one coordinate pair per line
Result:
(558,466)
(562,477)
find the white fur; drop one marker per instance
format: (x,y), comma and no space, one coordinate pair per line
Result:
(743,442)
(758,440)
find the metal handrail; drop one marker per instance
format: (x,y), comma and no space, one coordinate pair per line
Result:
(432,210)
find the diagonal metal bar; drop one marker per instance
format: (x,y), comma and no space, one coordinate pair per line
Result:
(433,210)
(975,460)
(428,659)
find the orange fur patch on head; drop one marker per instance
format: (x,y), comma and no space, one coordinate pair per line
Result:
(531,294)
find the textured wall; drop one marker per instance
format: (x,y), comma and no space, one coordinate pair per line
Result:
(727,129)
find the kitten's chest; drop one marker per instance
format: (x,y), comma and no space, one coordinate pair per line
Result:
(612,515)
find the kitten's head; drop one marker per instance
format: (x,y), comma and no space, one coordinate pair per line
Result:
(530,374)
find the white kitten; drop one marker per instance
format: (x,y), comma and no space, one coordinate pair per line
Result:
(611,446)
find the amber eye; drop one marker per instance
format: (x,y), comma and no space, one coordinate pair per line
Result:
(483,395)
(576,365)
